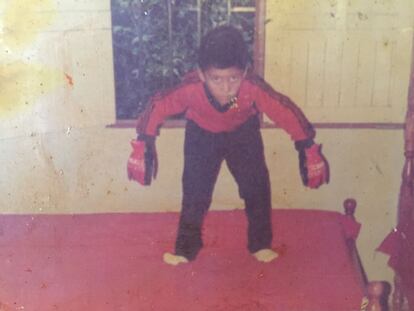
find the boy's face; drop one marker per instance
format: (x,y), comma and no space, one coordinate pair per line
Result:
(223,84)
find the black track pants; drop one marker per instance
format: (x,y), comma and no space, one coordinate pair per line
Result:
(204,152)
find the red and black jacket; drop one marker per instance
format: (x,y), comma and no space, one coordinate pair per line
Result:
(254,96)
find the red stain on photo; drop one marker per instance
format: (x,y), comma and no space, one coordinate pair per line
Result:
(69,79)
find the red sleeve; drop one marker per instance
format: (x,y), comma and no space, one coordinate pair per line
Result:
(281,110)
(162,106)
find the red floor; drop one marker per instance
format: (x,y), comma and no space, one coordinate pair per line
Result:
(113,262)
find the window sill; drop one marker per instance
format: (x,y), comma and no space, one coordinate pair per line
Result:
(119,124)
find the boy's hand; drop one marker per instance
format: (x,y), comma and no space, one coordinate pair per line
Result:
(142,163)
(313,166)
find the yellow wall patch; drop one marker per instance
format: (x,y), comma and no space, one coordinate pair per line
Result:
(22,83)
(24,19)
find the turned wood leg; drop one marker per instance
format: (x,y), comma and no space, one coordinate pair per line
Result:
(375,296)
(397,295)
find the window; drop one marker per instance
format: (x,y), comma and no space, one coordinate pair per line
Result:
(155,42)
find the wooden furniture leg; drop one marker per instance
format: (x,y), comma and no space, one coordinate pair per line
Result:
(376,292)
(397,295)
(377,295)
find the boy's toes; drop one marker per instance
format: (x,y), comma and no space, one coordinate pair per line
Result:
(174,260)
(265,255)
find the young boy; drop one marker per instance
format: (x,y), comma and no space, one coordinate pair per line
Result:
(222,103)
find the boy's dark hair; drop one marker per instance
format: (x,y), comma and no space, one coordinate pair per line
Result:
(223,47)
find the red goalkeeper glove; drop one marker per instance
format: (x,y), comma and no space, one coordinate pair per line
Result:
(314,168)
(142,164)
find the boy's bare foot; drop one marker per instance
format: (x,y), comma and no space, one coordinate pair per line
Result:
(174,260)
(265,255)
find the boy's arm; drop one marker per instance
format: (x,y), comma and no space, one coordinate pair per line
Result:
(143,162)
(160,107)
(165,104)
(283,112)
(280,109)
